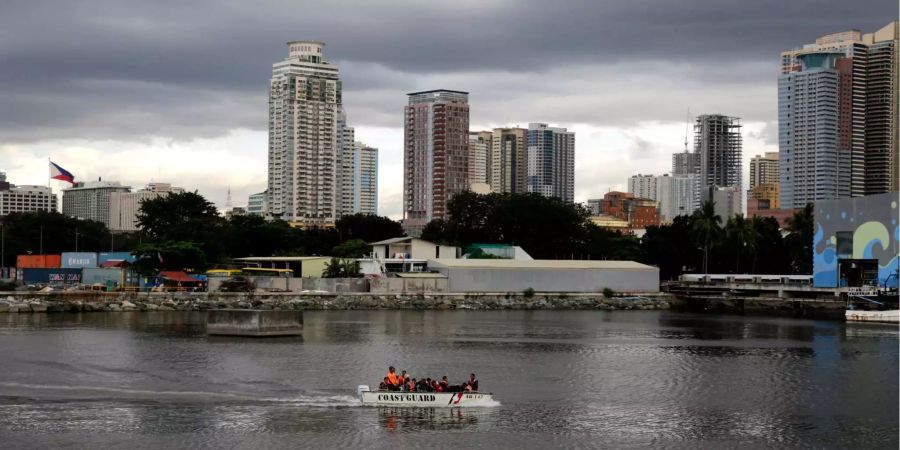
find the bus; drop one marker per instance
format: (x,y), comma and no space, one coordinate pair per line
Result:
(263,272)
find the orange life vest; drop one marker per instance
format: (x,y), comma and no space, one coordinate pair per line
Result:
(392,378)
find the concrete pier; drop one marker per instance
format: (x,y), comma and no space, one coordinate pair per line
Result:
(254,323)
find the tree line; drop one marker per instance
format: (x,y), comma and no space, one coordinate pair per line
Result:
(548,228)
(185,231)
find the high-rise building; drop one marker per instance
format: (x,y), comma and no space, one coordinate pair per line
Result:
(91,200)
(718,145)
(882,155)
(347,156)
(551,161)
(643,186)
(837,116)
(124,206)
(684,163)
(727,200)
(25,198)
(509,160)
(365,179)
(304,109)
(480,148)
(435,155)
(638,212)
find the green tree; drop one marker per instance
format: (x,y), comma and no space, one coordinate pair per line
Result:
(354,248)
(706,228)
(799,241)
(151,257)
(341,268)
(367,227)
(671,248)
(184,216)
(741,239)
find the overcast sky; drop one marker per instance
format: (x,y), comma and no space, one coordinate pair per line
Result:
(135,91)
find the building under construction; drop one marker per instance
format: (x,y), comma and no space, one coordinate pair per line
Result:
(718,149)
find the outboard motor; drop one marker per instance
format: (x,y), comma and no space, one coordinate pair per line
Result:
(360,389)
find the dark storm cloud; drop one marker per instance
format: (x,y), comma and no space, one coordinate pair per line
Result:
(101,69)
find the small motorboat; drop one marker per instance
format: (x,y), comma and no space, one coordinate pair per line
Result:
(424,399)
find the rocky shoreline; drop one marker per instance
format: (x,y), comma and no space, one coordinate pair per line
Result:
(37,302)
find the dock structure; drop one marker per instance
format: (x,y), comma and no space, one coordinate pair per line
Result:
(254,323)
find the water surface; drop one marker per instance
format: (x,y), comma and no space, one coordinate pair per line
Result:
(575,379)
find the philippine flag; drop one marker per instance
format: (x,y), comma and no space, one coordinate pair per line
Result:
(58,173)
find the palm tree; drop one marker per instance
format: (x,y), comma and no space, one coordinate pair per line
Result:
(741,233)
(706,226)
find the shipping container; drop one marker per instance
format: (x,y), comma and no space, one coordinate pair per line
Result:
(72,260)
(123,256)
(37,261)
(91,275)
(51,276)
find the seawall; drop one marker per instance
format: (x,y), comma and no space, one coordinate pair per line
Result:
(39,302)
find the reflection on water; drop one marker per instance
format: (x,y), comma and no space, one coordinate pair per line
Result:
(563,378)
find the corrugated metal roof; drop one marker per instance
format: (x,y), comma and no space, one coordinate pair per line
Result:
(392,240)
(536,264)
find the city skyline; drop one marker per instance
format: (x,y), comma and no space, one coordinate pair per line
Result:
(142,125)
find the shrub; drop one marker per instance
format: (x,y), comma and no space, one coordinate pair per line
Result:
(609,293)
(528,293)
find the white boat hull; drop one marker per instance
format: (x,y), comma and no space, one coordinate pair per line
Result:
(889,316)
(424,399)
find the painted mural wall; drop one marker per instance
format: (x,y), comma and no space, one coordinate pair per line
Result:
(858,228)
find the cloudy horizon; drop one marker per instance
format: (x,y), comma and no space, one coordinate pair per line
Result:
(134,92)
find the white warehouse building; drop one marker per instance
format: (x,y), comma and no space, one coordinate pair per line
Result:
(509,275)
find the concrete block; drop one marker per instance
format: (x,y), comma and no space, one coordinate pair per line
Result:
(254,323)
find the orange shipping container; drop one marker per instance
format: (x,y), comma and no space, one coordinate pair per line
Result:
(37,261)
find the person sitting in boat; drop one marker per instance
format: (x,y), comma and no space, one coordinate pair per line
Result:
(473,382)
(402,378)
(436,386)
(392,377)
(384,385)
(444,384)
(423,386)
(411,385)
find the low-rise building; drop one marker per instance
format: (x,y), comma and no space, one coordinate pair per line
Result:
(541,275)
(638,212)
(26,198)
(256,204)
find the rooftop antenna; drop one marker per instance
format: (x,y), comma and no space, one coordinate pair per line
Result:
(228,199)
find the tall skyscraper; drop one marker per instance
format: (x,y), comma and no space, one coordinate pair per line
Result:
(551,161)
(346,162)
(435,155)
(91,200)
(882,155)
(718,145)
(365,179)
(304,108)
(837,116)
(480,148)
(509,160)
(124,206)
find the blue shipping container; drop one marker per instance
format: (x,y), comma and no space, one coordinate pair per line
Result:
(53,275)
(124,256)
(73,260)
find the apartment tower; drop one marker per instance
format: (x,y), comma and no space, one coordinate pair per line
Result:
(435,155)
(718,146)
(304,109)
(509,160)
(551,161)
